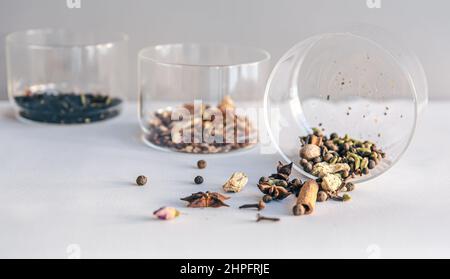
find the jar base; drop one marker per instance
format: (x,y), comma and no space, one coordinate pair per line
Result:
(67,108)
(227,150)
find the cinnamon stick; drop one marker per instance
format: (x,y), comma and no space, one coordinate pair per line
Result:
(307,198)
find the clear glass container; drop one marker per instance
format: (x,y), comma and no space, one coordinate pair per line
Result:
(201,98)
(360,83)
(65,77)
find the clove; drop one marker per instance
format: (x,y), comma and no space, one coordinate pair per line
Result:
(260,206)
(260,218)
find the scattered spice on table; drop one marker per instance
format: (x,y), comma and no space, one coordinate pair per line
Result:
(199,180)
(166,213)
(278,186)
(141,180)
(201,199)
(206,134)
(235,183)
(260,206)
(260,218)
(201,164)
(67,108)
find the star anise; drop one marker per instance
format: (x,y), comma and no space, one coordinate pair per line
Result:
(294,186)
(283,172)
(276,192)
(207,199)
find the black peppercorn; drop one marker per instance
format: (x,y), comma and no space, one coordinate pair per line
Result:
(141,180)
(201,164)
(198,180)
(267,198)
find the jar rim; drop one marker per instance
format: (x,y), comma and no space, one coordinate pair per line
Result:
(33,38)
(263,55)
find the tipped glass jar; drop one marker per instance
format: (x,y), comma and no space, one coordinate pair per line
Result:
(65,77)
(201,98)
(358,84)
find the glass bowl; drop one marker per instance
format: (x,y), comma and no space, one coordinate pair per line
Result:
(361,84)
(201,98)
(66,77)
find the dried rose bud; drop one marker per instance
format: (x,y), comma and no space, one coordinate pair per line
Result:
(166,213)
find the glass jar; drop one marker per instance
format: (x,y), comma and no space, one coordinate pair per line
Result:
(201,98)
(360,83)
(65,77)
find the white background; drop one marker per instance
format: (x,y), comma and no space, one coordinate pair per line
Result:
(275,25)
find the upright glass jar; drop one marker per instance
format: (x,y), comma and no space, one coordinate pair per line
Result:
(65,77)
(201,98)
(359,83)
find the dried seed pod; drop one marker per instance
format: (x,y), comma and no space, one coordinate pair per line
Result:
(276,192)
(236,182)
(284,169)
(346,197)
(310,151)
(364,163)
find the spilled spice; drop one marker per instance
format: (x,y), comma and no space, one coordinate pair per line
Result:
(352,157)
(200,199)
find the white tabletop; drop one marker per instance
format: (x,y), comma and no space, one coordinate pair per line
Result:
(68,192)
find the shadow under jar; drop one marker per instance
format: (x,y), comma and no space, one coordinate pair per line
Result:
(65,77)
(201,98)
